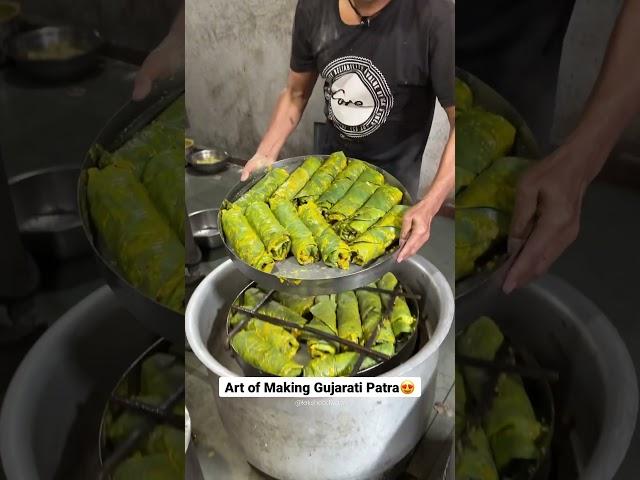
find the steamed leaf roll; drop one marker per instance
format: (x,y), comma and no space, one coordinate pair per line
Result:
(260,353)
(331,365)
(300,305)
(303,245)
(366,184)
(349,324)
(263,189)
(274,237)
(244,240)
(370,307)
(383,199)
(473,457)
(324,319)
(402,321)
(334,252)
(341,184)
(375,241)
(475,233)
(322,178)
(296,181)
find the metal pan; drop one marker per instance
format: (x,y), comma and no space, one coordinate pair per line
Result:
(315,279)
(127,121)
(29,51)
(525,146)
(199,160)
(405,349)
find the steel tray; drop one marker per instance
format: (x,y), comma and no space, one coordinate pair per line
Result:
(317,278)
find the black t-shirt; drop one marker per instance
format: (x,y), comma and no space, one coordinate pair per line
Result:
(380,81)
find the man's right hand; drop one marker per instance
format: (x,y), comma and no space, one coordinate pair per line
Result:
(257,161)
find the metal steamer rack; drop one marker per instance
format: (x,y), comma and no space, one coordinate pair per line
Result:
(111,456)
(316,278)
(386,363)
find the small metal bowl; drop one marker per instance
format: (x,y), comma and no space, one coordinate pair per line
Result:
(210,160)
(204,226)
(33,52)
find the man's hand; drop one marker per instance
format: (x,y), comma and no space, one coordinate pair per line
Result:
(256,162)
(416,227)
(165,60)
(548,204)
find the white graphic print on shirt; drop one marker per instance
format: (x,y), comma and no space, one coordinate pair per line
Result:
(357,95)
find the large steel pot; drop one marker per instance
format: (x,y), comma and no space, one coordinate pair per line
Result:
(358,439)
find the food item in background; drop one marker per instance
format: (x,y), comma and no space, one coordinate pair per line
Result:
(174,116)
(374,242)
(253,296)
(481,138)
(382,200)
(511,424)
(387,348)
(370,307)
(60,50)
(349,324)
(263,189)
(273,235)
(461,402)
(322,178)
(296,181)
(331,365)
(473,456)
(334,251)
(366,184)
(402,321)
(475,234)
(324,319)
(303,245)
(244,240)
(495,187)
(300,305)
(341,184)
(463,178)
(164,180)
(260,353)
(147,251)
(463,96)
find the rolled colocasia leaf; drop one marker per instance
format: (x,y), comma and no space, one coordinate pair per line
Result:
(370,308)
(341,185)
(374,242)
(273,235)
(349,324)
(331,365)
(300,305)
(253,296)
(244,241)
(402,321)
(474,460)
(296,181)
(322,178)
(357,195)
(385,348)
(263,189)
(383,199)
(334,251)
(147,251)
(324,319)
(303,244)
(260,353)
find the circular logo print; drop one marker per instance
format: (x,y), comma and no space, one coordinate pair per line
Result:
(357,95)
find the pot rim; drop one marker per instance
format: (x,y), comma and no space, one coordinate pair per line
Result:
(445,321)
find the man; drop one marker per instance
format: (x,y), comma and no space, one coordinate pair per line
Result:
(383,63)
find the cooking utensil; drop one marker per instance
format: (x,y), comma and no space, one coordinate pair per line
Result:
(127,121)
(47,212)
(210,160)
(485,282)
(204,224)
(35,52)
(317,278)
(274,433)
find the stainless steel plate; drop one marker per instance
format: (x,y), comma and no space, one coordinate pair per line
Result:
(317,278)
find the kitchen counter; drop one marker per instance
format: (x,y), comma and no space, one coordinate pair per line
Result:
(218,455)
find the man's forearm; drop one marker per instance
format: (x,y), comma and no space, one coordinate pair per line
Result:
(615,98)
(444,181)
(284,120)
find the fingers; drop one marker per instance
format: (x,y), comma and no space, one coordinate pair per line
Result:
(524,211)
(246,171)
(418,237)
(141,87)
(407,220)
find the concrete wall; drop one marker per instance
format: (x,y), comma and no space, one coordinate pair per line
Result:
(237,58)
(134,24)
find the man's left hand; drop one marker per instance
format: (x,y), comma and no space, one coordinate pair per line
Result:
(416,227)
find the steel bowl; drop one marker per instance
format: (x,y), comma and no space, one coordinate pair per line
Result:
(314,279)
(204,226)
(200,160)
(47,212)
(29,51)
(358,439)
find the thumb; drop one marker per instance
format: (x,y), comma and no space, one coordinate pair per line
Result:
(406,229)
(246,171)
(141,87)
